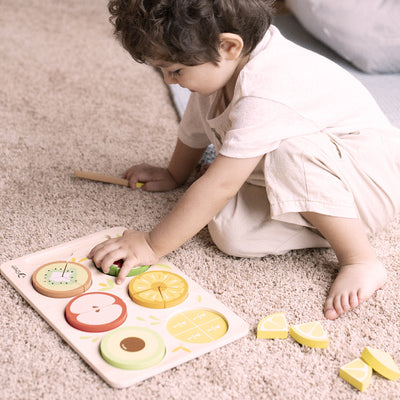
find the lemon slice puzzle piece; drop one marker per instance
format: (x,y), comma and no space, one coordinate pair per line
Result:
(197,326)
(357,373)
(273,326)
(310,334)
(62,279)
(381,362)
(158,289)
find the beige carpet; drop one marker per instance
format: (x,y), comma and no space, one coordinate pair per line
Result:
(70,98)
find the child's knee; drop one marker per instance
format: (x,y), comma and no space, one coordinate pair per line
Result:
(227,240)
(235,241)
(259,238)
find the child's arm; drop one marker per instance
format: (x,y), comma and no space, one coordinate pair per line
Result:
(155,179)
(201,202)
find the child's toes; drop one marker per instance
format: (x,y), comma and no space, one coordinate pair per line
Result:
(331,313)
(337,304)
(345,302)
(363,295)
(353,300)
(329,310)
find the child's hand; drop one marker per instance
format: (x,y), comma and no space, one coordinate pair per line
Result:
(133,247)
(155,179)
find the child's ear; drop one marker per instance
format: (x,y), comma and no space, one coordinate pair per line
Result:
(231,46)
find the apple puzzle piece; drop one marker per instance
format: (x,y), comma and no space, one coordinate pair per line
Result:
(96,312)
(116,267)
(132,348)
(62,279)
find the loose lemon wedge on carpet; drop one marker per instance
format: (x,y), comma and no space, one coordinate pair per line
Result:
(381,362)
(310,334)
(273,326)
(357,373)
(158,289)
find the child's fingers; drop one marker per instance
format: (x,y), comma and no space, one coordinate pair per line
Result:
(135,183)
(132,170)
(103,252)
(99,247)
(139,172)
(128,264)
(110,258)
(158,186)
(94,250)
(132,177)
(154,179)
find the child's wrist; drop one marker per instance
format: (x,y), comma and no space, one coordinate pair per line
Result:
(158,247)
(153,247)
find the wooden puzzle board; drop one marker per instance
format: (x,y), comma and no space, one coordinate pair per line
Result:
(87,344)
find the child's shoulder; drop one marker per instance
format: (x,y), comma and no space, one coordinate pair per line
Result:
(277,65)
(276,50)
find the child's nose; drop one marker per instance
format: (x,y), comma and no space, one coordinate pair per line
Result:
(169,80)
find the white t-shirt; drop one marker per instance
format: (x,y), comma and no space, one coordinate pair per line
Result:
(283,91)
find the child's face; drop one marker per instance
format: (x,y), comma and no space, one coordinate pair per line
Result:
(204,79)
(207,78)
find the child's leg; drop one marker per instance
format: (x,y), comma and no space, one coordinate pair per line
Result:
(360,274)
(244,228)
(335,184)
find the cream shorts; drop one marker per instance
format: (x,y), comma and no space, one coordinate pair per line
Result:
(351,176)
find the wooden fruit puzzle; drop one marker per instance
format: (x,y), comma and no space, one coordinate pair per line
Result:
(126,333)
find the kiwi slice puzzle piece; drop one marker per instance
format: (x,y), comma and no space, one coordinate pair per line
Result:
(132,348)
(62,279)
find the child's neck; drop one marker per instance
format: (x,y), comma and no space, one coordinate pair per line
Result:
(229,89)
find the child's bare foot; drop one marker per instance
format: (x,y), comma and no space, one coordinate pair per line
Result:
(354,284)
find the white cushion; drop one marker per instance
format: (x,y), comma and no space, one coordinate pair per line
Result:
(364,32)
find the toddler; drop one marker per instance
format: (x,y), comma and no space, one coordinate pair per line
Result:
(305,157)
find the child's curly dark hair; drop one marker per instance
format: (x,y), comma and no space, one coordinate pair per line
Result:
(187,31)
